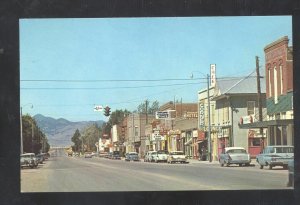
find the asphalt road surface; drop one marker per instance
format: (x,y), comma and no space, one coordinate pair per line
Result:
(75,174)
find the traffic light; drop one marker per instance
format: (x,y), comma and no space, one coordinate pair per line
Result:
(107,111)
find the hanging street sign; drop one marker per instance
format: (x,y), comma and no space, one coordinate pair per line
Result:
(161,114)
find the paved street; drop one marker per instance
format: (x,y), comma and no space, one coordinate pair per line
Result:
(75,174)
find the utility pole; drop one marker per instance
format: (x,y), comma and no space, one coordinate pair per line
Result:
(32,136)
(146,111)
(208,110)
(259,100)
(133,134)
(21,122)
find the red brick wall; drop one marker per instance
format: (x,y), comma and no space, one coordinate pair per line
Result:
(276,56)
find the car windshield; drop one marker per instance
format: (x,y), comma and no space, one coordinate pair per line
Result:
(133,154)
(236,151)
(176,153)
(162,152)
(284,149)
(116,152)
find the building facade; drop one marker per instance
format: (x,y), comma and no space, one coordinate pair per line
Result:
(236,101)
(279,124)
(279,84)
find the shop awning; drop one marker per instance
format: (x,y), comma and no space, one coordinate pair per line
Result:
(265,124)
(189,142)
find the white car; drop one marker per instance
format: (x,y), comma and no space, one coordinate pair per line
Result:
(28,160)
(234,155)
(152,156)
(147,157)
(160,156)
(177,156)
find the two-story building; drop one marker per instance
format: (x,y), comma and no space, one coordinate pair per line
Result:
(235,98)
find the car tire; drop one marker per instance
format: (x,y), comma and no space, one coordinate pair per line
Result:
(285,166)
(261,166)
(240,165)
(247,164)
(270,166)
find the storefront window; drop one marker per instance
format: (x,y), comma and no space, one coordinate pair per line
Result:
(250,107)
(272,136)
(254,142)
(278,136)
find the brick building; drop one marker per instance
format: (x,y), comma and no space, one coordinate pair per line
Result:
(279,91)
(279,94)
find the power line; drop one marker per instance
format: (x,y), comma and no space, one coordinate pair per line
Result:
(106,88)
(119,80)
(111,80)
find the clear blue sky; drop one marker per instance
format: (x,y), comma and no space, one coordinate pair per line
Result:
(78,54)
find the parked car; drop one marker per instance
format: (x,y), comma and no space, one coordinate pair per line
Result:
(291,173)
(28,160)
(40,158)
(103,154)
(177,156)
(115,155)
(234,155)
(161,156)
(88,155)
(132,156)
(147,157)
(109,155)
(278,155)
(152,156)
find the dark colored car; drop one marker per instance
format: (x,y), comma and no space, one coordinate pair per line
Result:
(291,173)
(115,155)
(132,156)
(40,158)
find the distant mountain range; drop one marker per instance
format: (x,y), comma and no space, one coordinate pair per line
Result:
(60,131)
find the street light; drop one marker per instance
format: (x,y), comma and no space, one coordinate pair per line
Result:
(21,124)
(208,111)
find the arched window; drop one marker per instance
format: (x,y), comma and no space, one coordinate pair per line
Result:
(275,85)
(269,81)
(281,77)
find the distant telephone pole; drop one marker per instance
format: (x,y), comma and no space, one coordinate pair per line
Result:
(146,111)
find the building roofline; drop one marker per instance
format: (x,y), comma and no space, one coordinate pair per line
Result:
(285,38)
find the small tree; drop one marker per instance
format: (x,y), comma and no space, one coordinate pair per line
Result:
(76,139)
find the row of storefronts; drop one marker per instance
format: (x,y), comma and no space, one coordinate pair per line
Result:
(228,113)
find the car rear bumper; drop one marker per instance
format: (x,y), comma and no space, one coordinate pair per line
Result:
(239,161)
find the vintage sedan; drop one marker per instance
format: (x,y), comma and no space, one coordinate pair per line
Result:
(28,160)
(132,156)
(88,155)
(115,155)
(234,155)
(277,155)
(152,156)
(40,158)
(147,157)
(291,173)
(177,156)
(161,156)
